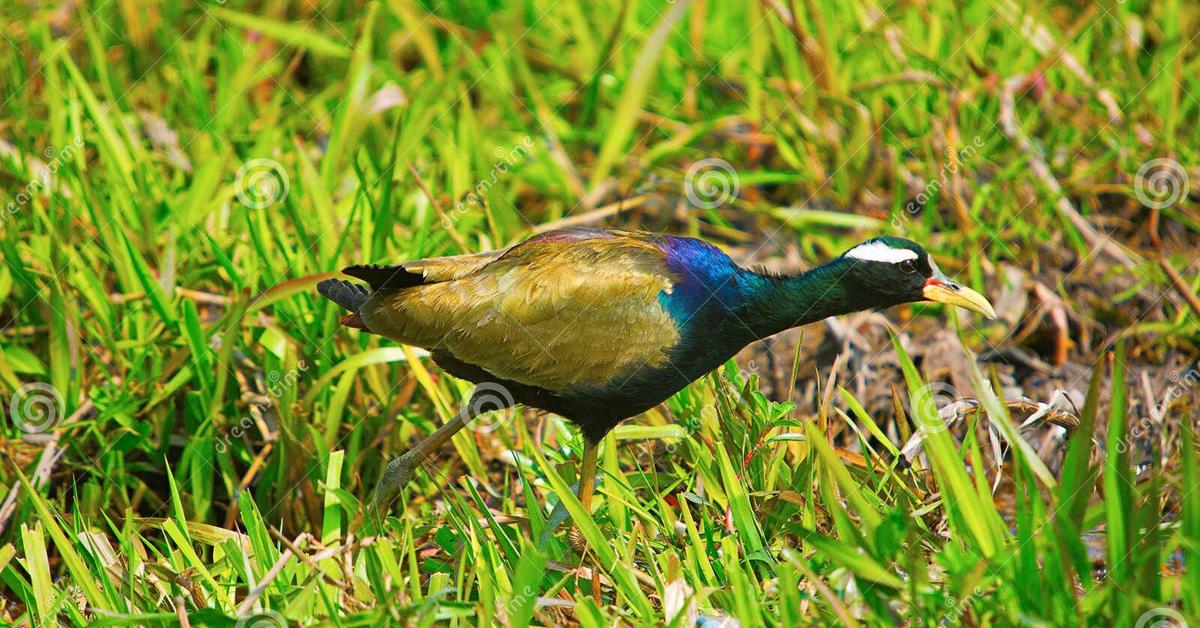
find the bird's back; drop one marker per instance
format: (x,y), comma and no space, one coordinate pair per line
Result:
(558,311)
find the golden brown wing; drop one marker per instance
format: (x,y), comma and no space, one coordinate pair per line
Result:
(561,309)
(437,269)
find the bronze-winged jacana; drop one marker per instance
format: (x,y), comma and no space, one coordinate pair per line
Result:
(600,325)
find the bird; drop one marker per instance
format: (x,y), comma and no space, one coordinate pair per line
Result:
(599,325)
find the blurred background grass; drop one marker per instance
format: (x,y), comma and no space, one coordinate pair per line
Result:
(188,433)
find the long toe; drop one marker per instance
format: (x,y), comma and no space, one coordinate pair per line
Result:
(396,476)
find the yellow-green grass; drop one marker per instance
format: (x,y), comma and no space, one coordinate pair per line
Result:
(213,432)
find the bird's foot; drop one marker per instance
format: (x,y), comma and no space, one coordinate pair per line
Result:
(558,516)
(576,539)
(396,476)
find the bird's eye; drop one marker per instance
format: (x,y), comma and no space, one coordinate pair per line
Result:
(908,266)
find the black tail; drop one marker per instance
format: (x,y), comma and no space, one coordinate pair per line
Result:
(385,277)
(348,295)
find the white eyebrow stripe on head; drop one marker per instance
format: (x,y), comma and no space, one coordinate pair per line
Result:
(880,252)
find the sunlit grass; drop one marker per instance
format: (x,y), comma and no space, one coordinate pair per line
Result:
(178,175)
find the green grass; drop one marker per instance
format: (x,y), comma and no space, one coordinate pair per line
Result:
(207,433)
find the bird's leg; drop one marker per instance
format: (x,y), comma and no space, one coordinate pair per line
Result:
(400,470)
(587,475)
(587,488)
(587,478)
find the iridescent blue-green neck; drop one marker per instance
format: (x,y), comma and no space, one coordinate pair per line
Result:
(773,304)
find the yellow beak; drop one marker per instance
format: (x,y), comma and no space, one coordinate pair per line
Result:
(942,290)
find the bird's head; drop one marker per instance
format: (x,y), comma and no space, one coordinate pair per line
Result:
(894,271)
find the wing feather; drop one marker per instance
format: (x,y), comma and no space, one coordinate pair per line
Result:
(454,267)
(555,311)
